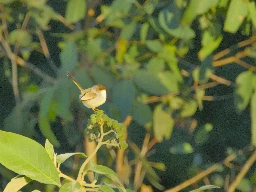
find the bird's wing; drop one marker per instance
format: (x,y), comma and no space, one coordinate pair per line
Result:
(88,96)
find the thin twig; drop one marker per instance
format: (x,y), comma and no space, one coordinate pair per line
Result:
(243,172)
(193,179)
(34,69)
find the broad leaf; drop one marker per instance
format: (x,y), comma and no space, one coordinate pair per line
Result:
(142,113)
(243,91)
(162,123)
(49,149)
(103,170)
(155,65)
(76,10)
(68,58)
(253,119)
(26,157)
(189,108)
(123,96)
(149,83)
(105,188)
(20,37)
(154,45)
(236,14)
(44,122)
(103,77)
(206,187)
(16,184)
(252,10)
(63,157)
(70,187)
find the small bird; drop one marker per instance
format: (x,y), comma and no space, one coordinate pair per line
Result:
(92,97)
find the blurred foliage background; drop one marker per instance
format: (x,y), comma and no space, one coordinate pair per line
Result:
(180,74)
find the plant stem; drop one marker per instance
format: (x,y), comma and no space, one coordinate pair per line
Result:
(80,174)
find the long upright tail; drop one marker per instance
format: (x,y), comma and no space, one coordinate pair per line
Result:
(75,81)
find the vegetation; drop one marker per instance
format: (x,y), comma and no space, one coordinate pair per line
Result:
(180,76)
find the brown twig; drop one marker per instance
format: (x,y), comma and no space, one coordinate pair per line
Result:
(34,69)
(138,170)
(193,179)
(243,172)
(239,45)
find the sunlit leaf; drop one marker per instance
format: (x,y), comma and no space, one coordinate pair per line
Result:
(154,45)
(189,108)
(76,10)
(236,14)
(103,170)
(206,187)
(144,31)
(155,65)
(16,184)
(182,148)
(105,188)
(252,10)
(170,80)
(20,37)
(63,157)
(26,157)
(70,186)
(49,149)
(121,48)
(123,96)
(128,30)
(162,123)
(209,44)
(243,91)
(253,120)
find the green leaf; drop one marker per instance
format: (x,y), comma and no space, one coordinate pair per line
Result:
(124,94)
(243,90)
(236,14)
(105,188)
(203,134)
(206,187)
(162,123)
(155,65)
(26,157)
(76,10)
(103,170)
(209,44)
(20,37)
(142,113)
(6,1)
(149,83)
(128,30)
(68,58)
(182,148)
(71,187)
(61,103)
(170,80)
(49,149)
(16,184)
(154,45)
(253,120)
(103,77)
(252,10)
(63,157)
(189,108)
(200,93)
(44,122)
(205,5)
(144,31)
